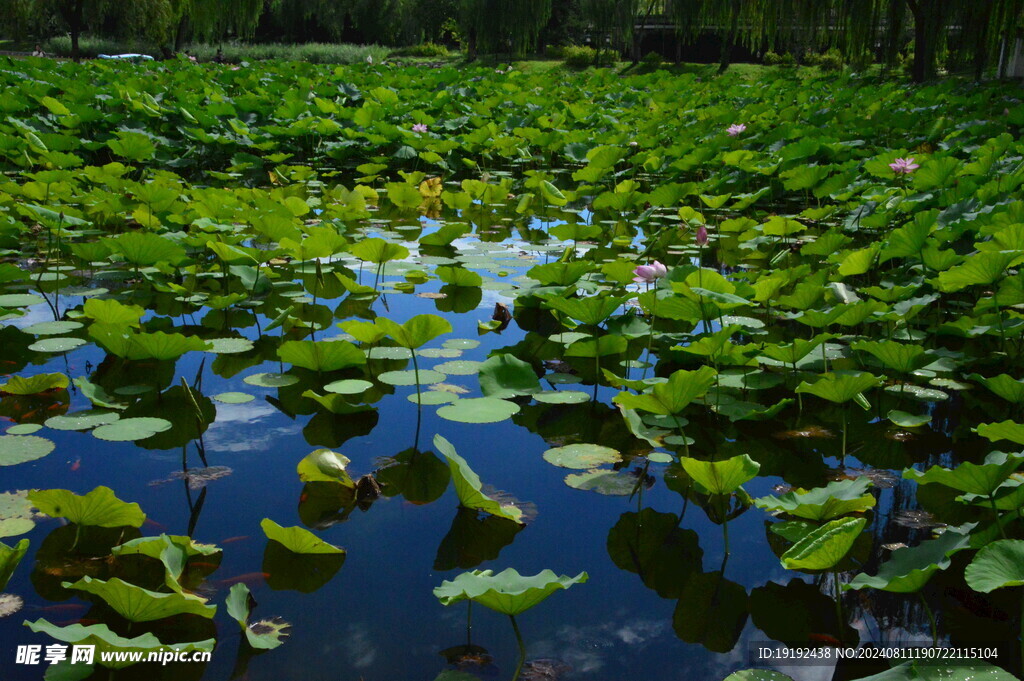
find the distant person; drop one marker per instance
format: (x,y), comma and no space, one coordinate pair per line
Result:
(38,52)
(219,57)
(191,57)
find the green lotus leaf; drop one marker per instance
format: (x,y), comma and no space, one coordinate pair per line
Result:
(143,249)
(507,592)
(63,344)
(15,449)
(757,675)
(378,251)
(908,420)
(107,642)
(229,346)
(297,539)
(98,508)
(1007,387)
(174,552)
(673,396)
(271,380)
(411,377)
(9,559)
(900,357)
(34,384)
(606,482)
(97,395)
(364,332)
(459,276)
(321,355)
(997,566)
(791,353)
(593,310)
(824,547)
(23,429)
(16,515)
(459,367)
(132,429)
(602,346)
(349,386)
(479,410)
(1006,430)
(82,420)
(561,397)
(141,605)
(581,456)
(841,387)
(721,477)
(233,398)
(822,503)
(908,569)
(969,477)
(113,312)
(323,465)
(263,635)
(127,344)
(505,375)
(468,485)
(982,268)
(20,300)
(416,332)
(559,273)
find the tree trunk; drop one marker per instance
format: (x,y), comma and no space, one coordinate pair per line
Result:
(179,33)
(471,45)
(928,22)
(76,28)
(729,39)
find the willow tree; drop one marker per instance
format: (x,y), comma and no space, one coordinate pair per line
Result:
(212,19)
(612,20)
(494,26)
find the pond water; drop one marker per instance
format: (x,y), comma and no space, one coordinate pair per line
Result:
(656,605)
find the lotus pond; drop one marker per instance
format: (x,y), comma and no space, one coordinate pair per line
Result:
(342,373)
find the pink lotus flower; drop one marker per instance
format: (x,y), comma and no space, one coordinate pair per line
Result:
(735,129)
(419,127)
(904,166)
(702,236)
(648,274)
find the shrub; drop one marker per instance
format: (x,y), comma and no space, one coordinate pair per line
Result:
(651,61)
(776,59)
(579,56)
(316,53)
(429,50)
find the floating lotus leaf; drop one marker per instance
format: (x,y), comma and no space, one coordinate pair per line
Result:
(432,398)
(271,380)
(32,385)
(99,508)
(297,539)
(478,410)
(609,483)
(411,377)
(349,386)
(582,456)
(321,355)
(141,605)
(468,485)
(233,398)
(15,449)
(15,514)
(908,569)
(460,344)
(822,503)
(107,642)
(23,429)
(507,592)
(561,397)
(906,420)
(56,345)
(229,346)
(81,420)
(131,429)
(824,547)
(462,367)
(20,300)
